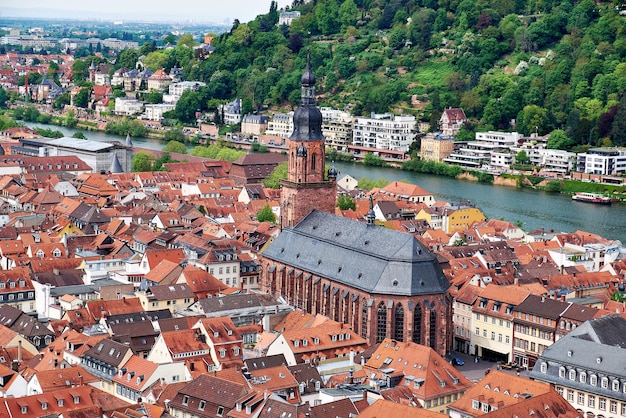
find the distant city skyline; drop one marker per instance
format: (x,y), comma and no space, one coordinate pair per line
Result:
(181,10)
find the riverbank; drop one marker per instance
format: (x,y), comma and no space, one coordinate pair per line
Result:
(528,180)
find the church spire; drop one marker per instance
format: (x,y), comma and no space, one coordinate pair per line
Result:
(306,187)
(307,120)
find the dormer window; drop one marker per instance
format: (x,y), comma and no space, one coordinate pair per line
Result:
(316,340)
(60,402)
(305,342)
(201,405)
(185,400)
(296,343)
(44,405)
(24,409)
(222,353)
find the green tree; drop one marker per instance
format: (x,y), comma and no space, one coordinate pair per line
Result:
(522,157)
(348,13)
(170,38)
(345,202)
(327,16)
(61,101)
(186,40)
(127,59)
(369,184)
(371,159)
(280,173)
(533,119)
(153,97)
(559,140)
(142,161)
(396,38)
(618,128)
(3,98)
(79,135)
(70,119)
(175,147)
(266,215)
(82,98)
(155,60)
(174,134)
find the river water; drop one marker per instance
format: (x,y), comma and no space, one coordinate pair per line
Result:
(148,143)
(534,209)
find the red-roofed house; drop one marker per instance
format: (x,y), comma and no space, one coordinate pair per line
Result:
(138,374)
(451,121)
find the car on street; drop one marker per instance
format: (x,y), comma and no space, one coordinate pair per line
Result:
(454,360)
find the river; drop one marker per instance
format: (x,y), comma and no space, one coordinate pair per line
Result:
(534,209)
(148,143)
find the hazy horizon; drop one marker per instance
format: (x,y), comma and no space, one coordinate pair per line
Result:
(139,10)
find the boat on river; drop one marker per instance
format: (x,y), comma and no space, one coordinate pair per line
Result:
(596,198)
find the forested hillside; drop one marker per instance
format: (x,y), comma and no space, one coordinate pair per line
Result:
(548,65)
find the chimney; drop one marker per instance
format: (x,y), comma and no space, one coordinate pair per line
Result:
(80,379)
(19,351)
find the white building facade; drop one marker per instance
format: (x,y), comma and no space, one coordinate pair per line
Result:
(385,132)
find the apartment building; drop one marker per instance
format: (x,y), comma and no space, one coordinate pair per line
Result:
(602,161)
(489,150)
(280,125)
(336,128)
(586,367)
(385,132)
(436,147)
(493,321)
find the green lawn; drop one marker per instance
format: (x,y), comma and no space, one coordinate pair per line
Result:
(432,73)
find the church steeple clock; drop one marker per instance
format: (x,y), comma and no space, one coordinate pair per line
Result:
(306,188)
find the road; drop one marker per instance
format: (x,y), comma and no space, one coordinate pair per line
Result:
(476,371)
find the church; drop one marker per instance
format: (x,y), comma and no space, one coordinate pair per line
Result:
(382,283)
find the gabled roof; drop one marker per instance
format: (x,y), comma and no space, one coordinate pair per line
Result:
(500,390)
(109,352)
(135,373)
(206,387)
(165,272)
(399,189)
(59,402)
(385,408)
(103,308)
(55,379)
(171,292)
(418,364)
(183,341)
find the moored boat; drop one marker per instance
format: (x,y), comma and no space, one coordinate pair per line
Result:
(596,198)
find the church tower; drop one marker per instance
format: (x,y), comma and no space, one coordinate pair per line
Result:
(306,187)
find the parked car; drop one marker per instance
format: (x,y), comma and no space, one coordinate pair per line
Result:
(454,360)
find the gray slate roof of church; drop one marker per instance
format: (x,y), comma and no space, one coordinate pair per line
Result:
(367,257)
